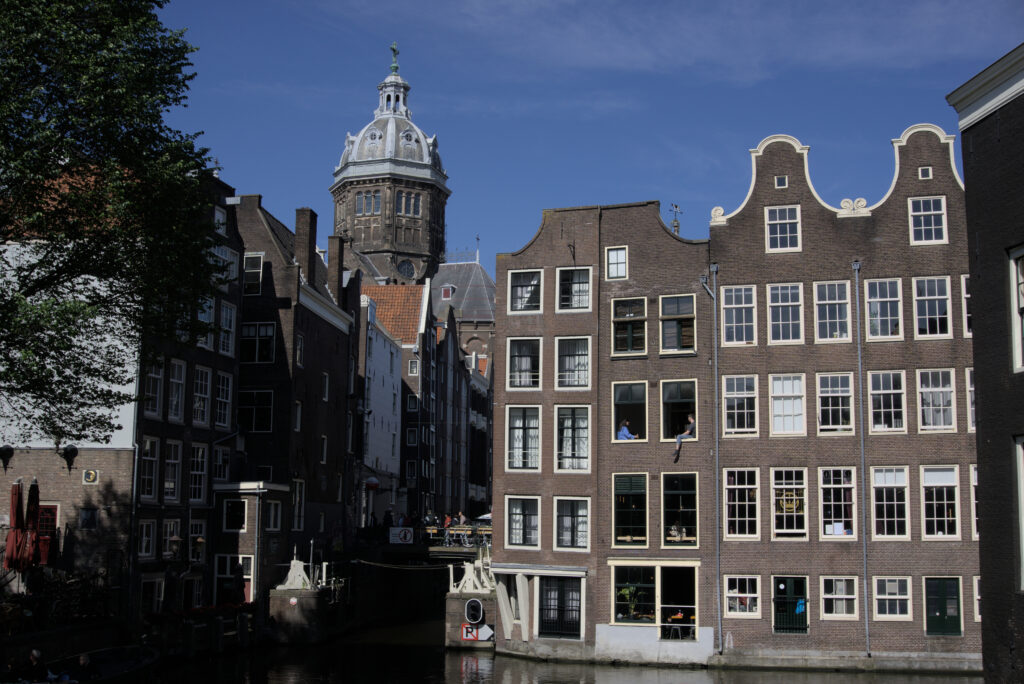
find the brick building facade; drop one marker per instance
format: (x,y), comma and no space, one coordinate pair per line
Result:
(991,109)
(815,363)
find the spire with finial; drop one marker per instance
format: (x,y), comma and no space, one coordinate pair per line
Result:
(394,91)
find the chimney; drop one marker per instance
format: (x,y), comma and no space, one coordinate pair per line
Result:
(335,265)
(305,242)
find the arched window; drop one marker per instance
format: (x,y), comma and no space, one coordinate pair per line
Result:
(416,204)
(376,201)
(359,204)
(398,202)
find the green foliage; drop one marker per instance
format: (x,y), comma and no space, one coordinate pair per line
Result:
(104,221)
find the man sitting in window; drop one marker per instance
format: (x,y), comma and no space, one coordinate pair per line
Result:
(624,432)
(690,432)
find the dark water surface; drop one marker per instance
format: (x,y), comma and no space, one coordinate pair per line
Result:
(403,658)
(377,663)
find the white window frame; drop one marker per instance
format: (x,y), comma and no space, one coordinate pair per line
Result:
(661,409)
(148,467)
(976,582)
(944,213)
(228,321)
(414,367)
(175,448)
(147,533)
(781,182)
(852,488)
(875,486)
(965,306)
(540,436)
(590,365)
(752,290)
(205,314)
(554,524)
(176,391)
(868,300)
(632,352)
(258,339)
(921,428)
(221,403)
(508,524)
(540,295)
(663,319)
(726,396)
(768,223)
(924,173)
(154,389)
(956,515)
(802,431)
(903,401)
(197,478)
(799,307)
(795,534)
(661,510)
(843,431)
(246,270)
(918,335)
(647,512)
(539,372)
(274,509)
(1016,312)
(220,466)
(969,396)
(909,598)
(614,423)
(200,396)
(245,517)
(818,303)
(625,262)
(974,501)
(727,594)
(557,447)
(220,219)
(590,290)
(726,488)
(854,598)
(196,530)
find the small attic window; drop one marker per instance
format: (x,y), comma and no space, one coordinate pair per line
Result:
(924,172)
(446,292)
(781,182)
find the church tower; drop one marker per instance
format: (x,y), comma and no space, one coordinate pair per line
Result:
(390,190)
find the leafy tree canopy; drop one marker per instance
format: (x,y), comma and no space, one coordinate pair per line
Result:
(104,221)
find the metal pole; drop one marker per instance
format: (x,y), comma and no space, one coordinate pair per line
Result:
(863,460)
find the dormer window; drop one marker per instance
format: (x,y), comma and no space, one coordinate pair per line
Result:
(446,292)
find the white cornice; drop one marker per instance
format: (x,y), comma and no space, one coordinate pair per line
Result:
(989,90)
(324,308)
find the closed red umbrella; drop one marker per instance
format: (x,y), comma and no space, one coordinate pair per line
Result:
(16,534)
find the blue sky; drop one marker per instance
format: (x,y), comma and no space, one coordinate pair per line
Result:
(555,103)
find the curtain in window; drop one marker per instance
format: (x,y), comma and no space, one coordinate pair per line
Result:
(522,361)
(572,438)
(523,438)
(573,366)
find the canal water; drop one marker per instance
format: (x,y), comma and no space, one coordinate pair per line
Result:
(405,656)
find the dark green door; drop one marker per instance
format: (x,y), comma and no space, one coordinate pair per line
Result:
(942,605)
(789,600)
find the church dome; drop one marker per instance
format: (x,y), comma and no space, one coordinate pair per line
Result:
(391,144)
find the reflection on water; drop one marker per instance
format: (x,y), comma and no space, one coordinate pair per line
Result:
(378,663)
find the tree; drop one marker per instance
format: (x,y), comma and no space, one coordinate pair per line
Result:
(104,222)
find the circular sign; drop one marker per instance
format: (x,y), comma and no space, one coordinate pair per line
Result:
(474,611)
(293,601)
(405,535)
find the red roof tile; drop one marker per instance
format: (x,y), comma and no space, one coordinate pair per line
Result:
(399,308)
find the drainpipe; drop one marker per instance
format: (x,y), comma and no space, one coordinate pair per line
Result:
(714,422)
(863,461)
(132,512)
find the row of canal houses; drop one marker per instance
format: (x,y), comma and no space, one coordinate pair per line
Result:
(323,402)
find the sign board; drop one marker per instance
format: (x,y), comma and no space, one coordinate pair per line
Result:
(400,535)
(477,632)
